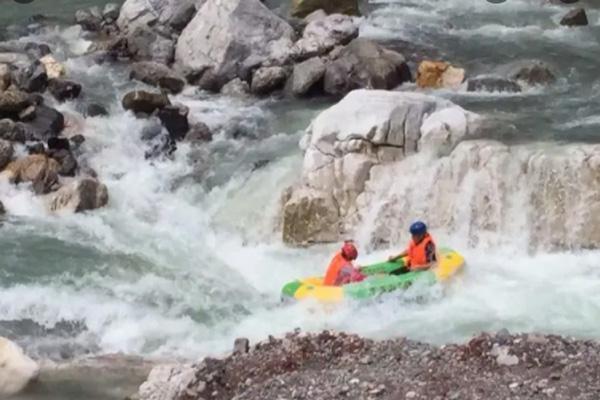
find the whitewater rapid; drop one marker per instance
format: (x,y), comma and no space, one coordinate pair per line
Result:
(187,256)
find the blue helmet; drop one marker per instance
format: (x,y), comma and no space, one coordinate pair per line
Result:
(418,228)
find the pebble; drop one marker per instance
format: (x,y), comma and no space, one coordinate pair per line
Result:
(549,391)
(411,395)
(354,381)
(513,386)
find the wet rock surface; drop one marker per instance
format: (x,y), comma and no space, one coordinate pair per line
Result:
(331,365)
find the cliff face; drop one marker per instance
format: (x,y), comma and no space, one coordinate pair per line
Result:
(378,160)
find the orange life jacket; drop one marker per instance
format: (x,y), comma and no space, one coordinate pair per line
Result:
(417,256)
(337,263)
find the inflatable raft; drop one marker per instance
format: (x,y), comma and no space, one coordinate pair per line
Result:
(379,280)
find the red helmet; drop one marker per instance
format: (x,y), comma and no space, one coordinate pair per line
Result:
(349,251)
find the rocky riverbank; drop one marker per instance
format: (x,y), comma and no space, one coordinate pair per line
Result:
(332,366)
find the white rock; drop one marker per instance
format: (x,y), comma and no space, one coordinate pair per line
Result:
(79,195)
(367,128)
(167,382)
(324,33)
(144,13)
(16,368)
(232,36)
(54,69)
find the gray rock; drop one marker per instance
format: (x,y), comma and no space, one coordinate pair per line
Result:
(236,87)
(13,102)
(96,110)
(48,122)
(268,79)
(534,73)
(36,148)
(88,21)
(365,64)
(13,132)
(37,50)
(323,34)
(111,12)
(239,35)
(33,78)
(302,8)
(241,346)
(140,101)
(172,14)
(6,153)
(63,89)
(66,160)
(175,119)
(2,209)
(81,195)
(157,74)
(145,44)
(199,133)
(5,77)
(492,84)
(577,17)
(306,76)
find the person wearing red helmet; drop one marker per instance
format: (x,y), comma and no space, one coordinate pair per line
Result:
(341,269)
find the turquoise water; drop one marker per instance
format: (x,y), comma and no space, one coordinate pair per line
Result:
(187,255)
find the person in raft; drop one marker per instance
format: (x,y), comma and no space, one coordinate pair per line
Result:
(341,269)
(421,250)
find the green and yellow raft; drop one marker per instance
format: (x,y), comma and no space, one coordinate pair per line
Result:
(379,280)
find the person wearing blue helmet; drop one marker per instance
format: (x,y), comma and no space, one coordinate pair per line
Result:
(421,251)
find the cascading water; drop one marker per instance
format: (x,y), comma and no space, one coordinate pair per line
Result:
(187,255)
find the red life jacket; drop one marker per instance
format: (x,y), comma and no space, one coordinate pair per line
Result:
(337,263)
(417,255)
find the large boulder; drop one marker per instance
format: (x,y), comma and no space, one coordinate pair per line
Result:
(343,143)
(37,169)
(310,216)
(158,75)
(79,195)
(307,76)
(140,101)
(302,8)
(365,64)
(321,35)
(231,38)
(6,153)
(172,14)
(439,74)
(17,370)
